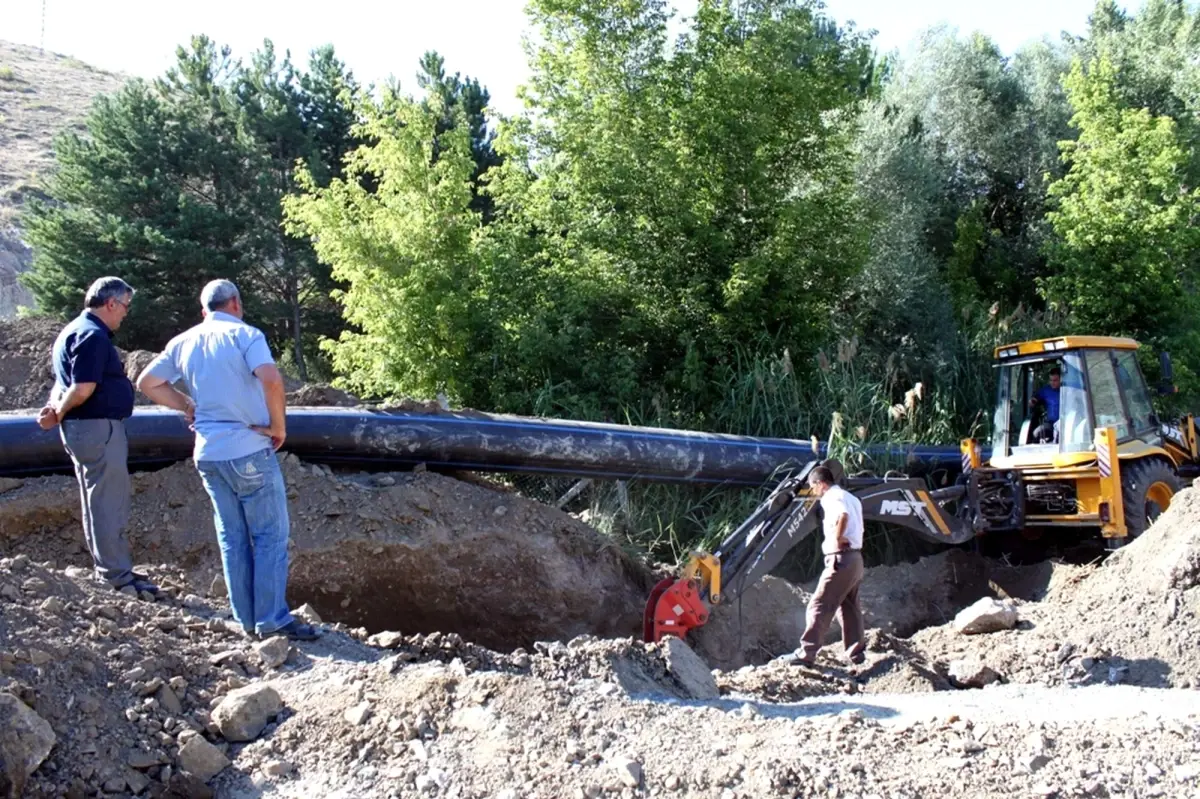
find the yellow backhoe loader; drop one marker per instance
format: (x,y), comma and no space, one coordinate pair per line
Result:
(1075,443)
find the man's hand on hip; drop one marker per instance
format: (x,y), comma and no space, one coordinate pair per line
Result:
(48,418)
(277,435)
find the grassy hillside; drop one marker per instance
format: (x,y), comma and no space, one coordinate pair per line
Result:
(40,94)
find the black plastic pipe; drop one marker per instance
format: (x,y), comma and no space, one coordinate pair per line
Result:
(376,440)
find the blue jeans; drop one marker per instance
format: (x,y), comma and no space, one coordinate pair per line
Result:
(251,514)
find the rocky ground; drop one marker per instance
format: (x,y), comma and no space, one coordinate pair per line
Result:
(481,644)
(124,697)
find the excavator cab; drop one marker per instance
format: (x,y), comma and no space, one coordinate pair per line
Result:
(1076,437)
(1050,402)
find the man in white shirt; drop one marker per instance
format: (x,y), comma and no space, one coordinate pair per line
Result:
(240,421)
(837,591)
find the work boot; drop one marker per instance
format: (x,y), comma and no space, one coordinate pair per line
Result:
(140,584)
(296,630)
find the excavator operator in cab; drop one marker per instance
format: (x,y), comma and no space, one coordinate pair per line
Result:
(1046,398)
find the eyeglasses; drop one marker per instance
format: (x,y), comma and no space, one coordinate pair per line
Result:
(124,305)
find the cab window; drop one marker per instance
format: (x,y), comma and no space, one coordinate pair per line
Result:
(1106,393)
(1075,420)
(1137,397)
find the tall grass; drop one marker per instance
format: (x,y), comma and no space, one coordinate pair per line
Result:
(850,400)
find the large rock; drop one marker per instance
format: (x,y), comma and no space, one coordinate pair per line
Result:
(201,759)
(988,615)
(274,651)
(25,741)
(693,674)
(971,673)
(244,713)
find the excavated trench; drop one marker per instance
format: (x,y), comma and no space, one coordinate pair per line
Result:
(416,552)
(494,592)
(422,553)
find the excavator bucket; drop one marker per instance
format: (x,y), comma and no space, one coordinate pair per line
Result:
(674,608)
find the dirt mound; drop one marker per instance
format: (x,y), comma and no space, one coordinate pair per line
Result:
(321,395)
(1162,562)
(123,683)
(25,375)
(416,552)
(1134,619)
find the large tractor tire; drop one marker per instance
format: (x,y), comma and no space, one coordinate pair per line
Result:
(1147,488)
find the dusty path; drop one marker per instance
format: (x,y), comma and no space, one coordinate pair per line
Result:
(496,735)
(998,703)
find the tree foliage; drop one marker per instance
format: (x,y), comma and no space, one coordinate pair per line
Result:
(179,180)
(659,206)
(462,103)
(673,222)
(399,231)
(1124,259)
(951,166)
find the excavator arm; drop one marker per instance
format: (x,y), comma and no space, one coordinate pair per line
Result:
(785,518)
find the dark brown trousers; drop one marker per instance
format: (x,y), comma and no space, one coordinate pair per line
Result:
(837,592)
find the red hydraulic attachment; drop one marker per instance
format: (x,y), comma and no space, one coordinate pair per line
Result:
(678,605)
(674,608)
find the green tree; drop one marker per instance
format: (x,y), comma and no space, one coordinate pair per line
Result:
(1124,260)
(290,119)
(180,180)
(155,192)
(706,182)
(398,229)
(660,210)
(462,102)
(328,95)
(1153,53)
(962,137)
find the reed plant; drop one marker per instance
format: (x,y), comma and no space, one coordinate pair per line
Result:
(849,400)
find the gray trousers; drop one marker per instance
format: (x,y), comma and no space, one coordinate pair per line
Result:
(100,451)
(837,593)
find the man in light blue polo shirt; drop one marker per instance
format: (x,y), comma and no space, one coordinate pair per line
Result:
(239,408)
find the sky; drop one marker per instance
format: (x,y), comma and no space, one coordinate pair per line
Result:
(478,38)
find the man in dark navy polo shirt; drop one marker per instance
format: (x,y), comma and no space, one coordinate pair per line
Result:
(90,402)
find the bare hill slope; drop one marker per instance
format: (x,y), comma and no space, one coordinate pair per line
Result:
(40,95)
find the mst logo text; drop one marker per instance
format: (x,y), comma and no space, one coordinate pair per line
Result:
(899,507)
